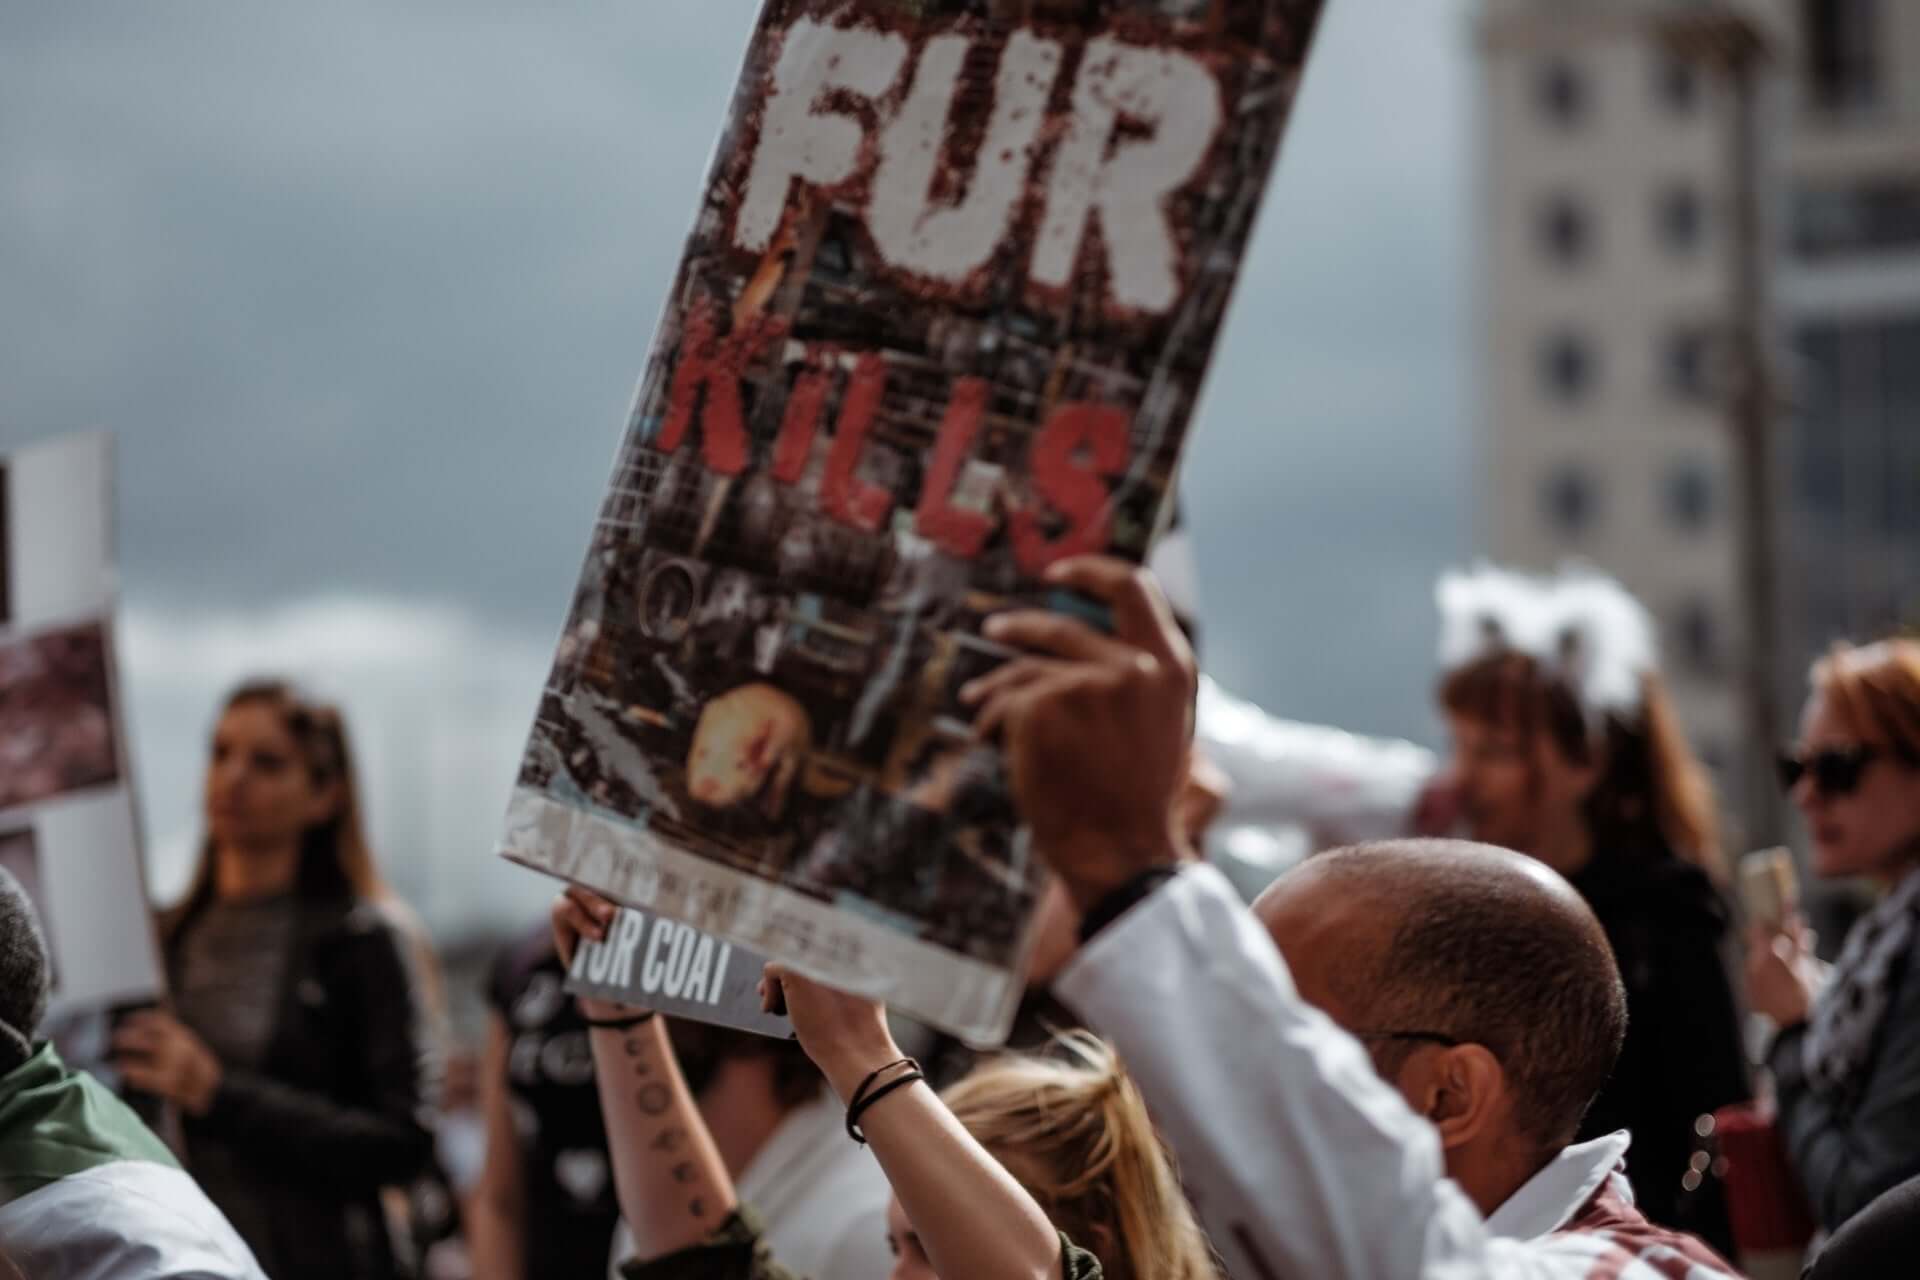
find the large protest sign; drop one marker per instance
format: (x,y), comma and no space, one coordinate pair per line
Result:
(67,826)
(942,321)
(656,962)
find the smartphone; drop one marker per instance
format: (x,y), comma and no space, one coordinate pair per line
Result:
(1769,887)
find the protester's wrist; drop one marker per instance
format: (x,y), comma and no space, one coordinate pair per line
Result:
(849,1065)
(1094,865)
(199,1098)
(604,1010)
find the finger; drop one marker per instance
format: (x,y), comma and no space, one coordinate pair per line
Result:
(593,904)
(773,997)
(993,718)
(1141,614)
(138,1076)
(1014,672)
(1044,631)
(136,1039)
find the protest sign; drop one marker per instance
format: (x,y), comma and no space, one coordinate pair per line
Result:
(942,321)
(656,962)
(67,826)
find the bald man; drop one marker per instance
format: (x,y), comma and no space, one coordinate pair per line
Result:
(1376,1078)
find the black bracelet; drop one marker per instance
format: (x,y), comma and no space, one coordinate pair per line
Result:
(855,1103)
(619,1024)
(861,1106)
(1117,901)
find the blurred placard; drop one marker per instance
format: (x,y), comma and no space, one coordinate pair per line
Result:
(67,826)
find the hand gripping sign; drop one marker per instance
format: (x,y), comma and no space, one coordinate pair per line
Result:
(942,321)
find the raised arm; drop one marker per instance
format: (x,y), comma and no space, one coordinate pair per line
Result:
(673,1188)
(972,1218)
(1300,1159)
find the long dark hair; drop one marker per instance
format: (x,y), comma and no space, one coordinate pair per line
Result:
(1653,793)
(335,859)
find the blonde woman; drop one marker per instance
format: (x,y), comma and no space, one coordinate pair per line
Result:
(1029,1169)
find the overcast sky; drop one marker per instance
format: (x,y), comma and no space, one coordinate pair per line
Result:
(362,288)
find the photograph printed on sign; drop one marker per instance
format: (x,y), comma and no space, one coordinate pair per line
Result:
(56,715)
(941,323)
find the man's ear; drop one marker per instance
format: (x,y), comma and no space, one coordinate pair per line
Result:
(1463,1091)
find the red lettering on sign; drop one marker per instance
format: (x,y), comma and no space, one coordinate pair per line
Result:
(797,428)
(715,365)
(1073,488)
(846,497)
(953,529)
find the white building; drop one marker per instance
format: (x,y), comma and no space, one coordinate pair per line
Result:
(1610,245)
(1851,315)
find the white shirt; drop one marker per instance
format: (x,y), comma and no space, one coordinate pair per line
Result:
(820,1197)
(1299,1158)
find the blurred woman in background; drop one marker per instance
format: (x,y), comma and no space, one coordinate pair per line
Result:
(296,1050)
(1846,1062)
(1566,746)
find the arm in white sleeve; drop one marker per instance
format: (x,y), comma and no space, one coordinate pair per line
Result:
(1299,1158)
(1341,787)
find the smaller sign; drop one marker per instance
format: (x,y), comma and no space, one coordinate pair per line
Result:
(653,962)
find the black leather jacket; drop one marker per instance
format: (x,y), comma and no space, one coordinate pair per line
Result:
(339,1108)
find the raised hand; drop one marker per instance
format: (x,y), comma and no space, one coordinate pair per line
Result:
(1097,727)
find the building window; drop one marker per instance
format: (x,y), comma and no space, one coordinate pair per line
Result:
(1834,220)
(1842,51)
(1566,232)
(1678,218)
(1571,502)
(1676,84)
(1689,497)
(1561,93)
(1567,367)
(1687,364)
(1696,637)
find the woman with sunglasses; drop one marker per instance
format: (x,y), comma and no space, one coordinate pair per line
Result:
(1846,1062)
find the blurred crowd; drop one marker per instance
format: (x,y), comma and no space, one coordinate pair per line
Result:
(1516,1013)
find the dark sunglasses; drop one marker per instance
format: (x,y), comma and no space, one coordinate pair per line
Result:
(1835,771)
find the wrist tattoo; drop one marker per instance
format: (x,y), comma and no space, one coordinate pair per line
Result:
(669,1140)
(653,1099)
(683,1172)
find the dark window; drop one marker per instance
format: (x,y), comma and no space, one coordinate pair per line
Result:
(1571,501)
(1561,91)
(1687,364)
(1678,218)
(1829,221)
(1841,43)
(1677,84)
(1567,367)
(1566,232)
(1689,496)
(1696,637)
(1856,449)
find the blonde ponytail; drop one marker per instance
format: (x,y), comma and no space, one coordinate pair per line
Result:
(1074,1130)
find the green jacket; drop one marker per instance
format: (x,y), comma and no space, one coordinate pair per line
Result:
(88,1193)
(736,1252)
